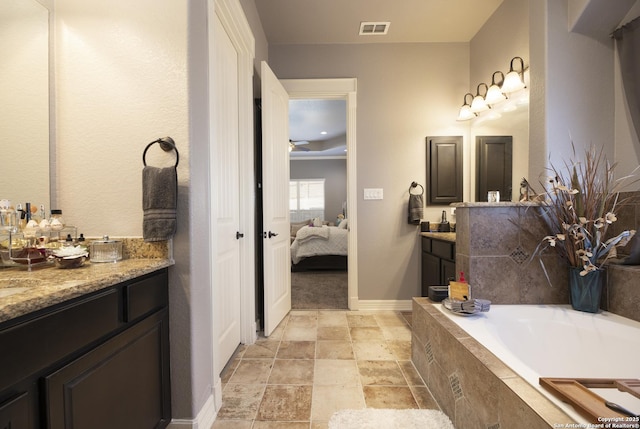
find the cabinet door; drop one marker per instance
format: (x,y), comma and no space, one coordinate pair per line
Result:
(444,170)
(15,413)
(494,166)
(123,383)
(447,271)
(430,272)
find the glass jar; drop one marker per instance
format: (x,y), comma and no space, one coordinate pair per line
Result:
(56,221)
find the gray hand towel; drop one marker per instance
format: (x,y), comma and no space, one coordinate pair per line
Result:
(159,203)
(416,209)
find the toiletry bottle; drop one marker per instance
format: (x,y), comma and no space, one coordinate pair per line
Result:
(462,279)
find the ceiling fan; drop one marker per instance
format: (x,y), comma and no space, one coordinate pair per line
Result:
(297,145)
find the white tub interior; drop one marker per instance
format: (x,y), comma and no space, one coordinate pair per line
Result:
(556,341)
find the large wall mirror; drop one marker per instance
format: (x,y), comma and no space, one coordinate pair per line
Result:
(513,123)
(24,102)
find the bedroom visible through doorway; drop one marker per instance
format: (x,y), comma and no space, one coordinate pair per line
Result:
(318,203)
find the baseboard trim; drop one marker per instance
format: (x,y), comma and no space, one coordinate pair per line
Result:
(204,420)
(381,304)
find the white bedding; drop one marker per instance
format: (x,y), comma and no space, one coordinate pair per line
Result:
(316,241)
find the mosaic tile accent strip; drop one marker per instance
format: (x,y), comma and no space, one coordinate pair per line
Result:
(429,351)
(519,255)
(456,388)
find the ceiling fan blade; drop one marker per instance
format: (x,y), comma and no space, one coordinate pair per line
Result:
(298,142)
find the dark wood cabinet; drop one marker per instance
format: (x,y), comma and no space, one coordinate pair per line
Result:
(444,170)
(98,361)
(494,166)
(438,263)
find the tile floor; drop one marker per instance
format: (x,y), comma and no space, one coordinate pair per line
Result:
(318,362)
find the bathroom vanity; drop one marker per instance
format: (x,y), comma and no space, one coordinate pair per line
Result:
(438,259)
(85,348)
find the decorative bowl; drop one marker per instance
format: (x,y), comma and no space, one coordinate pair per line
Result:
(69,261)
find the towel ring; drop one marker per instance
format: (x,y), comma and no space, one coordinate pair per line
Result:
(415,185)
(167,144)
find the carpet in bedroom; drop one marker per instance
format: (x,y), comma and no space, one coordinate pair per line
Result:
(326,290)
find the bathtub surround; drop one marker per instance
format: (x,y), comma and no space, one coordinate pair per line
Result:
(494,247)
(471,385)
(494,244)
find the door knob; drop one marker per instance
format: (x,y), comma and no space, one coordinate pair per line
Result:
(239,235)
(272,234)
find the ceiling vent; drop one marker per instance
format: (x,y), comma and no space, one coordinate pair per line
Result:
(374,28)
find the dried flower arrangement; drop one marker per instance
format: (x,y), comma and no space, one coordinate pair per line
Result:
(579,205)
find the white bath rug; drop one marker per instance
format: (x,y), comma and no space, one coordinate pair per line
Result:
(371,418)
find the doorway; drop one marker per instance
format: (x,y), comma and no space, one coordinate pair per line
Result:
(339,89)
(318,192)
(336,89)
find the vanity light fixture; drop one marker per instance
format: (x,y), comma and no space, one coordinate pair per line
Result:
(479,104)
(514,80)
(465,111)
(494,93)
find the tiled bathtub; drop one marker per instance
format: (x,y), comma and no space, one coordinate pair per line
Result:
(472,386)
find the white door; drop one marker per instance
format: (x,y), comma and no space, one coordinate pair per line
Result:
(225,185)
(275,192)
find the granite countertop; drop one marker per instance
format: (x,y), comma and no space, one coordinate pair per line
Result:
(444,236)
(46,286)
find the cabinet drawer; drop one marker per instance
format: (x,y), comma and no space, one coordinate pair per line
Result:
(443,249)
(46,339)
(145,296)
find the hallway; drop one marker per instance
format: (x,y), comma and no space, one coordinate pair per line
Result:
(317,362)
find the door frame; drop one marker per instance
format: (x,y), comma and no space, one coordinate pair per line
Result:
(343,89)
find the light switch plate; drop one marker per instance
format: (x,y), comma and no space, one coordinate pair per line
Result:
(373,193)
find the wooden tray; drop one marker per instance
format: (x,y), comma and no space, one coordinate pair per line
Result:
(575,391)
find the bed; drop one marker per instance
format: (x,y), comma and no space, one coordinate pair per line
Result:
(320,248)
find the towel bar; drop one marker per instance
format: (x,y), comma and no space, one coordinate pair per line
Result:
(167,144)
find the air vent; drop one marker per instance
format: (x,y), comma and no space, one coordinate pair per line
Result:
(374,28)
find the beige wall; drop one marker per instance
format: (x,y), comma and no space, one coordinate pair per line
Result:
(123,78)
(405,93)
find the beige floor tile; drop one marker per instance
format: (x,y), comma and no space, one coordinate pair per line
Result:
(410,373)
(240,401)
(228,370)
(296,333)
(424,398)
(366,333)
(372,350)
(332,318)
(252,371)
(261,349)
(336,372)
(292,371)
(400,349)
(380,373)
(390,318)
(396,333)
(396,397)
(232,424)
(318,424)
(297,350)
(334,350)
(329,399)
(333,333)
(303,320)
(361,320)
(280,425)
(285,403)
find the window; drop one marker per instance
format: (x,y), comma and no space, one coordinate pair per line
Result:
(306,199)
